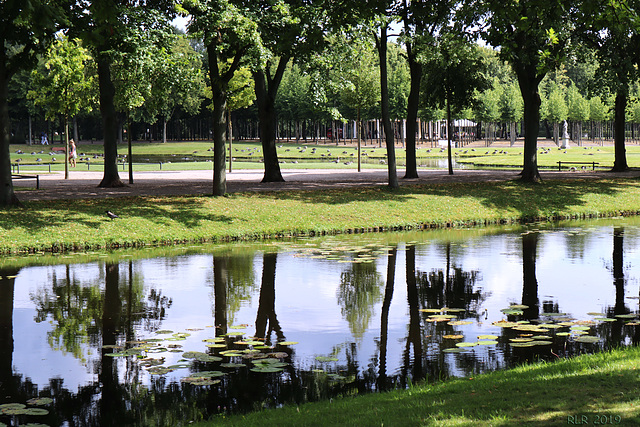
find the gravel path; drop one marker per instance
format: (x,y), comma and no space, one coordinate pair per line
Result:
(84,184)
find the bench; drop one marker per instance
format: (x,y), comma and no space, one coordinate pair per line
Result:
(20,176)
(593,164)
(58,149)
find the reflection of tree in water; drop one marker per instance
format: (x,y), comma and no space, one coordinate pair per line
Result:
(76,309)
(358,292)
(266,319)
(615,332)
(234,273)
(450,286)
(383,382)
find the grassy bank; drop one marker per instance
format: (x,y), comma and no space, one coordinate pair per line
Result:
(82,224)
(598,389)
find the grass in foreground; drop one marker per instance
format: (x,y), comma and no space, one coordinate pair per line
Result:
(82,224)
(586,390)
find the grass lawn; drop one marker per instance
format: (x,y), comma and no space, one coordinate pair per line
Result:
(297,155)
(598,389)
(82,224)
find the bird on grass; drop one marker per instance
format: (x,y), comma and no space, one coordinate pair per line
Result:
(112,215)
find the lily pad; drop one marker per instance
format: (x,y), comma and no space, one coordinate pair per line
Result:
(466,344)
(604,319)
(518,306)
(453,337)
(278,354)
(487,337)
(512,312)
(563,334)
(287,343)
(266,369)
(522,344)
(243,326)
(7,406)
(326,359)
(588,339)
(40,401)
(460,322)
(232,365)
(593,313)
(455,350)
(487,342)
(521,340)
(542,342)
(626,316)
(199,381)
(164,332)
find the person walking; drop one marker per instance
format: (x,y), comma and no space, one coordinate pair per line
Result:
(73,154)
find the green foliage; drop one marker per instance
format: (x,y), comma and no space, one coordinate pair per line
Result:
(453,73)
(598,110)
(577,105)
(511,106)
(554,106)
(65,81)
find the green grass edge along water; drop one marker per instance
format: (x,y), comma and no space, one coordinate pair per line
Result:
(596,389)
(72,225)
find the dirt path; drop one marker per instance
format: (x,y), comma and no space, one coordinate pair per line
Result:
(84,184)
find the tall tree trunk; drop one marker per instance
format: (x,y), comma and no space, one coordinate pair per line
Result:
(7,195)
(219,125)
(620,163)
(266,88)
(381,44)
(449,133)
(531,101)
(415,71)
(109,124)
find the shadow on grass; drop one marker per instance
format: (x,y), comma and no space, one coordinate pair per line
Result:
(91,213)
(529,200)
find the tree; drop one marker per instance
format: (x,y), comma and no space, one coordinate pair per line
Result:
(511,108)
(453,72)
(577,110)
(63,84)
(532,36)
(381,39)
(421,21)
(176,79)
(241,95)
(230,37)
(598,112)
(611,28)
(554,108)
(289,29)
(360,88)
(488,109)
(25,31)
(108,27)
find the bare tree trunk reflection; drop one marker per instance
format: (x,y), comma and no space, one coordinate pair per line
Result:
(266,314)
(415,332)
(529,279)
(383,381)
(619,283)
(220,286)
(112,408)
(8,383)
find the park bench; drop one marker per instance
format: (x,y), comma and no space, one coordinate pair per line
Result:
(593,164)
(22,176)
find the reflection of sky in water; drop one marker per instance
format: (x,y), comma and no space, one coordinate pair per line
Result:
(573,270)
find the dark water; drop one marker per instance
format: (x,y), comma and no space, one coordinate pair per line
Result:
(357,313)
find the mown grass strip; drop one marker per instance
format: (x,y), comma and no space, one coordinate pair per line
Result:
(82,224)
(586,390)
